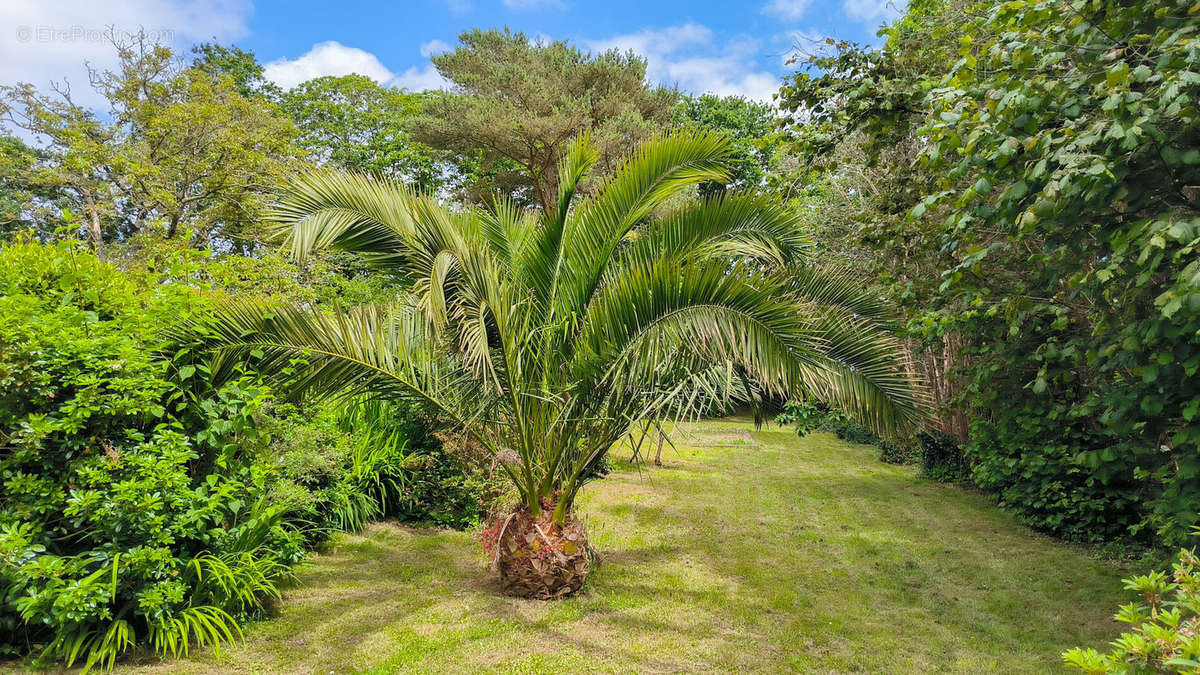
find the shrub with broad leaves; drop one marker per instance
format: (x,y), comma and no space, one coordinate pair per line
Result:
(1165,635)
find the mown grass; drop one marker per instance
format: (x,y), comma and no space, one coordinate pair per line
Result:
(747,551)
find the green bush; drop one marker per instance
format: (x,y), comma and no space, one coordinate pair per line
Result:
(942,458)
(106,531)
(386,451)
(1166,626)
(1047,461)
(1026,188)
(899,453)
(141,506)
(1063,142)
(938,455)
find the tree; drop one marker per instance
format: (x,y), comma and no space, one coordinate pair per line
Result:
(1041,208)
(1073,130)
(352,123)
(180,149)
(548,335)
(240,66)
(25,206)
(516,105)
(752,130)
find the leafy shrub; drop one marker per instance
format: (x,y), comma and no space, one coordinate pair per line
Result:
(808,415)
(898,453)
(138,504)
(1029,178)
(1076,271)
(942,459)
(849,430)
(1044,460)
(104,526)
(812,415)
(1166,626)
(385,451)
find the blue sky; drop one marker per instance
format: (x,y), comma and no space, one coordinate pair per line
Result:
(706,46)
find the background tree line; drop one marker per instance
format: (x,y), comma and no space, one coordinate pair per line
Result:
(197,146)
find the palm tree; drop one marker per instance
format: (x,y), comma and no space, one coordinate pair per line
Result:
(547,336)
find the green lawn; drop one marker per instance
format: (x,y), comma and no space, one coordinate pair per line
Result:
(748,551)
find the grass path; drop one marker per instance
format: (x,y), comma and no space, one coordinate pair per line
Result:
(748,551)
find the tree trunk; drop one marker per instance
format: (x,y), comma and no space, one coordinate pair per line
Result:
(537,559)
(94,229)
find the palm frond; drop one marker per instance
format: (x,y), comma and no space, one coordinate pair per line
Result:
(541,260)
(823,287)
(385,351)
(658,170)
(739,226)
(349,211)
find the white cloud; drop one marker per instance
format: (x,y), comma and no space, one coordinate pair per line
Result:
(432,47)
(688,56)
(657,42)
(873,11)
(420,79)
(41,42)
(788,10)
(326,59)
(336,59)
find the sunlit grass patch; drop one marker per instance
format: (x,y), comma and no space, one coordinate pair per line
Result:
(797,554)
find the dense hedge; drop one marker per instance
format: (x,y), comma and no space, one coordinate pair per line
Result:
(141,506)
(938,456)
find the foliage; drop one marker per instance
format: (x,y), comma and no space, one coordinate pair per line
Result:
(939,456)
(808,415)
(1096,211)
(1048,223)
(142,506)
(24,205)
(352,123)
(751,128)
(548,335)
(181,149)
(942,458)
(1166,626)
(102,521)
(516,104)
(813,415)
(239,66)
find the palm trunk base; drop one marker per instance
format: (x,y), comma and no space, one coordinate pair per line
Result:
(537,560)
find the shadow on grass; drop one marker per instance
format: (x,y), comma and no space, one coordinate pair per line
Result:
(802,554)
